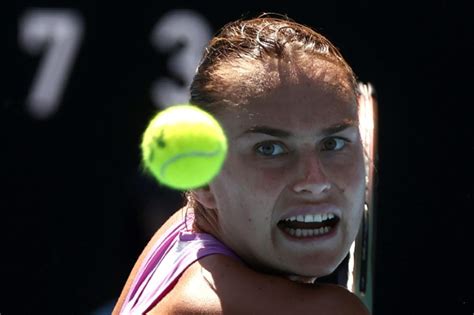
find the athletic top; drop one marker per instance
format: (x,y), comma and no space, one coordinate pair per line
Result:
(169,257)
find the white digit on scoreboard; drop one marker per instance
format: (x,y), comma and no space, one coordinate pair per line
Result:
(57,32)
(192,31)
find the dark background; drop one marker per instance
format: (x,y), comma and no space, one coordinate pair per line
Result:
(75,210)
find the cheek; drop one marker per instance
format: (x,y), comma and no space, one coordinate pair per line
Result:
(352,183)
(267,179)
(348,172)
(235,189)
(355,180)
(257,177)
(250,191)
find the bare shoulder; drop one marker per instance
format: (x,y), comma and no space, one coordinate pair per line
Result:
(172,220)
(218,284)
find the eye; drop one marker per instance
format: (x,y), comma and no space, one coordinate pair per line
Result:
(334,144)
(270,149)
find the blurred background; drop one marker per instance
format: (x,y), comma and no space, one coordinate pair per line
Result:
(81,79)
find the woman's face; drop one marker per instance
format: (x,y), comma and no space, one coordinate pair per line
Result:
(289,198)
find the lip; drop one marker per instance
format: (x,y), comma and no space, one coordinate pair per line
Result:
(313,209)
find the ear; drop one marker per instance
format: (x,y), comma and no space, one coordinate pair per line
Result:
(205,197)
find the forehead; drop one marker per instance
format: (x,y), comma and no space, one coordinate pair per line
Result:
(299,106)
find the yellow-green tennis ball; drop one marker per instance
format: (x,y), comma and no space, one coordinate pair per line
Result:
(184,147)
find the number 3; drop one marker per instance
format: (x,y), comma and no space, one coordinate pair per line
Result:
(192,31)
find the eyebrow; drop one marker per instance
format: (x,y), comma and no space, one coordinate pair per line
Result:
(281,133)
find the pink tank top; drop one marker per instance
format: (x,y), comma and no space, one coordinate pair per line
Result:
(175,251)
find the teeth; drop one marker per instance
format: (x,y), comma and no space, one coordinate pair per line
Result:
(311,218)
(302,233)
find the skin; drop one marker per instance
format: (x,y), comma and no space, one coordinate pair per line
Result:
(266,178)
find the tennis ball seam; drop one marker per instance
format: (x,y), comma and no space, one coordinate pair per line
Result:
(185,155)
(184,147)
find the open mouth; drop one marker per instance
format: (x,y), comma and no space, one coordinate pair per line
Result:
(309,225)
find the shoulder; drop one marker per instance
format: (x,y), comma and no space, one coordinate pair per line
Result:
(176,217)
(219,284)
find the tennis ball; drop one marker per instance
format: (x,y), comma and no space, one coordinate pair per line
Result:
(184,147)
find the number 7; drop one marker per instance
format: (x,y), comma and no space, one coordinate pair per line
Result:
(59,33)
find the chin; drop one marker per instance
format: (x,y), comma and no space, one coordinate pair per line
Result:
(318,272)
(318,267)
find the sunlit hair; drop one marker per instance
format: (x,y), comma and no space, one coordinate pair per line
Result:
(246,58)
(238,61)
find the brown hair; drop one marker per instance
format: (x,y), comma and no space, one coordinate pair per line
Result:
(245,57)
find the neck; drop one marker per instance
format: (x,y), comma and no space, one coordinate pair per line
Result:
(302,279)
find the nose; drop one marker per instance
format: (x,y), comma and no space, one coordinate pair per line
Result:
(311,176)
